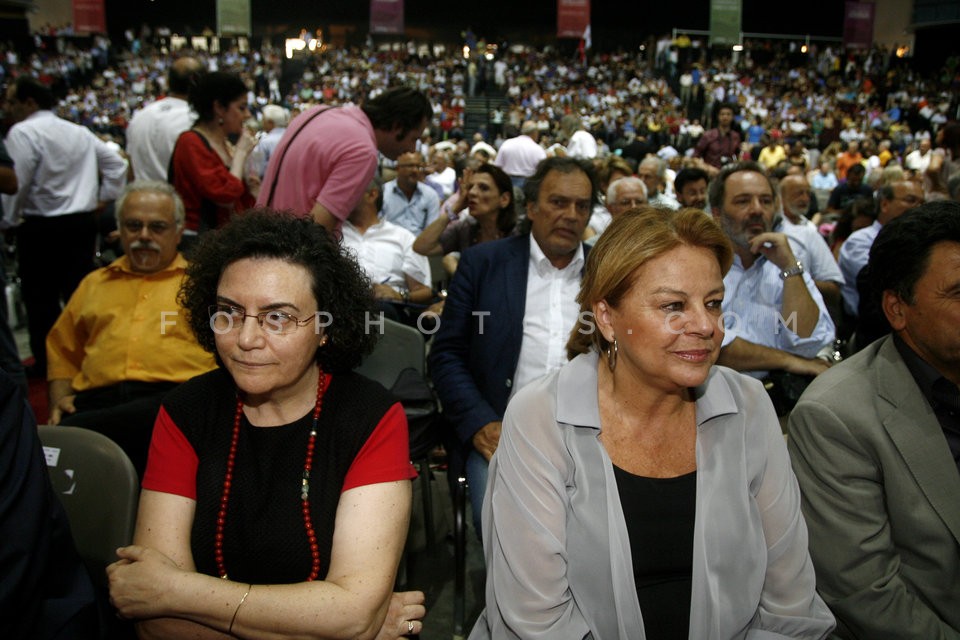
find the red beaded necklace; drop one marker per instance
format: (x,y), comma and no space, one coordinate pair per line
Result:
(323,382)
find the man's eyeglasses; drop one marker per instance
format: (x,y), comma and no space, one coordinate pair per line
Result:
(156,228)
(225,318)
(415,167)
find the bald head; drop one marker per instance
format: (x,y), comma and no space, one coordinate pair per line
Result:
(184,73)
(529,128)
(795,196)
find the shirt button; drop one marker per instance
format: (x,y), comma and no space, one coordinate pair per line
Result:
(509,383)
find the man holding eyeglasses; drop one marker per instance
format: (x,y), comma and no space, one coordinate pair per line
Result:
(121,341)
(407,200)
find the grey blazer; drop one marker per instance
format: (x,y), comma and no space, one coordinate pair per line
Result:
(558,555)
(881,496)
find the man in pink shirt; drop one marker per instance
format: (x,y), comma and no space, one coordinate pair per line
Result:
(327,156)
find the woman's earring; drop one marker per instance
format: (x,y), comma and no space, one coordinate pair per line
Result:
(612,355)
(220,121)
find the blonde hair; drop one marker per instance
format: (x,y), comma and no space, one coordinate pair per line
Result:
(632,239)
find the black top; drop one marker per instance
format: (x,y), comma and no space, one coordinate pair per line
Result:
(264,538)
(660,514)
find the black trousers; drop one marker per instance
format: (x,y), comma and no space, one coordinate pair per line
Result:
(53,254)
(124,412)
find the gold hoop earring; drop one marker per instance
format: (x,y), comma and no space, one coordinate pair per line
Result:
(612,355)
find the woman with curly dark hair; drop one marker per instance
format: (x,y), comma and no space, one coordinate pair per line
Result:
(277,493)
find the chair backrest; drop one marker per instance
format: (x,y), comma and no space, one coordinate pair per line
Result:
(399,347)
(99,489)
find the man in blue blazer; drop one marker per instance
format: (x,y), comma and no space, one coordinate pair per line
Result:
(875,444)
(509,310)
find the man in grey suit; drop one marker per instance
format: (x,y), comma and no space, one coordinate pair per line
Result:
(875,444)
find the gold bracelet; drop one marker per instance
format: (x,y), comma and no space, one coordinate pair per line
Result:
(234,618)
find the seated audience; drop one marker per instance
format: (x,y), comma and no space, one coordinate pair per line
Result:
(508,306)
(622,195)
(487,195)
(653,172)
(847,191)
(894,200)
(384,251)
(775,317)
(407,200)
(121,342)
(277,497)
(875,444)
(641,491)
(691,187)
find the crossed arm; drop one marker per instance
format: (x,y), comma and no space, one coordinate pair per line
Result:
(155,580)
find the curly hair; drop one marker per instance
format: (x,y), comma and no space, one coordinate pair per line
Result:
(339,284)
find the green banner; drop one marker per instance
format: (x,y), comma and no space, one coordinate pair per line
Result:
(233,17)
(725,21)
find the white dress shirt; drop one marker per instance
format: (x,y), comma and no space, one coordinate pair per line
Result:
(61,167)
(812,250)
(152,134)
(549,315)
(385,252)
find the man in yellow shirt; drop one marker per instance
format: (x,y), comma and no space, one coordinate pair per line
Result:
(121,341)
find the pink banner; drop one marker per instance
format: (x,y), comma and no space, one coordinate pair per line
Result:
(858,25)
(573,16)
(386,16)
(89,16)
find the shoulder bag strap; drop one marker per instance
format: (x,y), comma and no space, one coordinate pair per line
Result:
(301,122)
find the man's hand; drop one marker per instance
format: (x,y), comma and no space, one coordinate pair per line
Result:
(386,292)
(807,366)
(775,247)
(485,440)
(61,397)
(63,407)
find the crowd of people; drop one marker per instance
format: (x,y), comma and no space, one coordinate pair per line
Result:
(653,267)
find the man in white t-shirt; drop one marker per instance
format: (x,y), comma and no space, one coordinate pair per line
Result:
(153,130)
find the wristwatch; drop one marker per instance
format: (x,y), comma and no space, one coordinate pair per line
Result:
(795,270)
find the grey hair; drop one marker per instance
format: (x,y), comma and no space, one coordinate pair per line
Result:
(154,186)
(660,164)
(629,181)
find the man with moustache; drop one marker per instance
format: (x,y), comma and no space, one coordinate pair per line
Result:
(121,341)
(775,316)
(509,311)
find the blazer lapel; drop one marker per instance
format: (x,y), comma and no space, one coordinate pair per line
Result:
(514,289)
(917,434)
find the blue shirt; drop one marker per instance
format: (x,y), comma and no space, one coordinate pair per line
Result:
(854,254)
(752,301)
(413,214)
